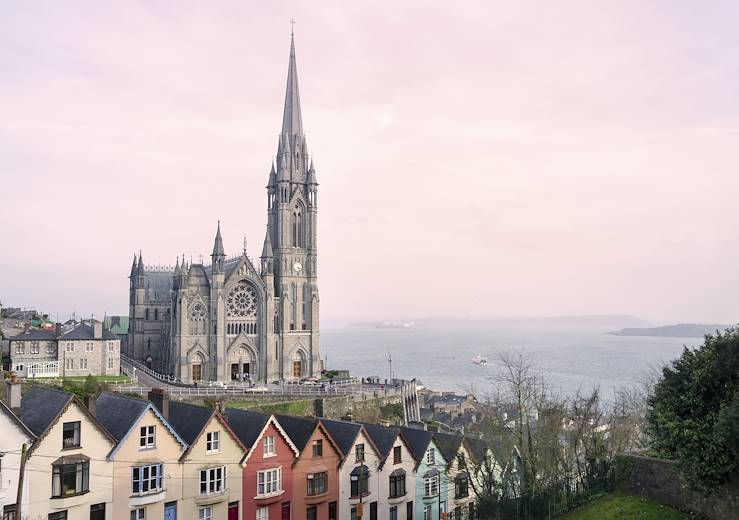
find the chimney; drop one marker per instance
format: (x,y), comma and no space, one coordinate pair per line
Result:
(160,400)
(97,329)
(417,425)
(91,404)
(14,393)
(58,329)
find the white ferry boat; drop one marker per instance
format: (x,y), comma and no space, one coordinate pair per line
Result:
(480,360)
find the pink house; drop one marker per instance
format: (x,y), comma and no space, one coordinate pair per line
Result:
(268,478)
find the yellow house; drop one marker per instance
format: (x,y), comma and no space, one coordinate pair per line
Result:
(147,474)
(68,474)
(212,466)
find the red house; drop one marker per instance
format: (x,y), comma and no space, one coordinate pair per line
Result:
(268,474)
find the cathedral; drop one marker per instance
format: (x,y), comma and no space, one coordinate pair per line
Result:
(238,319)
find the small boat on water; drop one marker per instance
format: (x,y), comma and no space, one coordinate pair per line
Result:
(480,360)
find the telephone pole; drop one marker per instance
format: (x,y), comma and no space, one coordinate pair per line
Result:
(19,495)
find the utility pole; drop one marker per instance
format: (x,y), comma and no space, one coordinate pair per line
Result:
(19,495)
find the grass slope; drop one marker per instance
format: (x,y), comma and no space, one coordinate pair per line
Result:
(617,506)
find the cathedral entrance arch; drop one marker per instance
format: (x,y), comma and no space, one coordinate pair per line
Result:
(196,367)
(242,362)
(299,364)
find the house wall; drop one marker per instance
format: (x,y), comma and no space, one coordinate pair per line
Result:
(230,456)
(454,469)
(129,454)
(308,464)
(95,445)
(372,461)
(437,500)
(97,358)
(12,437)
(408,464)
(257,462)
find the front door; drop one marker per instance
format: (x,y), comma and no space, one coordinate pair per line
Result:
(233,511)
(170,510)
(246,371)
(196,372)
(297,368)
(286,511)
(234,371)
(97,512)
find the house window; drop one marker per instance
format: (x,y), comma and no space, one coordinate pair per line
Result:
(461,486)
(311,513)
(34,347)
(205,513)
(9,512)
(393,512)
(212,480)
(431,456)
(138,514)
(263,513)
(359,453)
(353,515)
(397,455)
(111,363)
(71,435)
(69,363)
(89,347)
(213,442)
(50,349)
(318,448)
(83,364)
(70,479)
(359,478)
(269,481)
(147,437)
(427,512)
(69,347)
(147,479)
(317,483)
(431,486)
(20,348)
(397,483)
(332,510)
(269,446)
(59,515)
(111,346)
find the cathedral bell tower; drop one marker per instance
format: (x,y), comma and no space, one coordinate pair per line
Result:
(292,208)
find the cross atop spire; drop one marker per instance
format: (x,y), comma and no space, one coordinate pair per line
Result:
(292,121)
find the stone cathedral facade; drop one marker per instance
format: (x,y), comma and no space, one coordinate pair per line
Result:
(239,319)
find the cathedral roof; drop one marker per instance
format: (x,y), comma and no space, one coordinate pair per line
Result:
(218,244)
(292,121)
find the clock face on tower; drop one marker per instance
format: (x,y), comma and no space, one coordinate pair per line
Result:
(298,267)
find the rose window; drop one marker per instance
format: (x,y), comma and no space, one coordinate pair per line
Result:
(242,300)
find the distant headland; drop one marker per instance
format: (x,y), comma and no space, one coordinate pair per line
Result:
(681,330)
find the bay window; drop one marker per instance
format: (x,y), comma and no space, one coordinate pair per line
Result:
(317,483)
(212,480)
(269,482)
(70,477)
(147,479)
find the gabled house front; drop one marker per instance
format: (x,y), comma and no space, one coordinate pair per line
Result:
(146,459)
(13,435)
(268,480)
(315,470)
(396,473)
(432,480)
(68,474)
(461,491)
(213,464)
(359,488)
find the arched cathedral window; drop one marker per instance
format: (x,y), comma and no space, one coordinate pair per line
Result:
(197,319)
(293,305)
(304,311)
(298,228)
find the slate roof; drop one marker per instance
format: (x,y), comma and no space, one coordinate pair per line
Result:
(343,433)
(40,406)
(246,424)
(188,420)
(34,335)
(299,429)
(383,437)
(418,441)
(119,412)
(449,444)
(85,332)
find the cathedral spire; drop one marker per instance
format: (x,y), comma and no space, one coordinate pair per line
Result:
(292,121)
(267,247)
(218,244)
(133,267)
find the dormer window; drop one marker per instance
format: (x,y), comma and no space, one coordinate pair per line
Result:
(318,448)
(147,438)
(431,456)
(269,446)
(359,453)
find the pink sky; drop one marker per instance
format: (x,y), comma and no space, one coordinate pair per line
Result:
(475,158)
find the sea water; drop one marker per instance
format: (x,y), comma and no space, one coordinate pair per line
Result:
(569,358)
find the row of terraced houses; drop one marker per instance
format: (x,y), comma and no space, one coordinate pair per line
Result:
(124,458)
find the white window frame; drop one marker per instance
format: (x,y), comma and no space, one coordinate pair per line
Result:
(214,480)
(427,512)
(138,514)
(89,347)
(148,435)
(205,513)
(431,456)
(430,485)
(270,446)
(83,363)
(148,475)
(212,442)
(262,513)
(269,482)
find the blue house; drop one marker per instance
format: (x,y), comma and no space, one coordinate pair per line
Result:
(432,480)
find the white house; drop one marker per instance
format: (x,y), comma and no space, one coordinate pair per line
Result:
(13,435)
